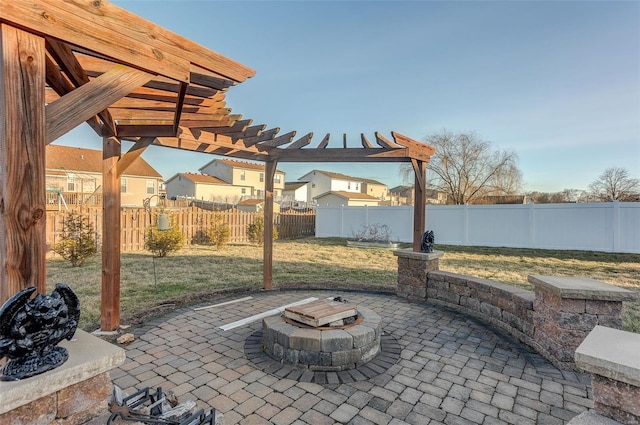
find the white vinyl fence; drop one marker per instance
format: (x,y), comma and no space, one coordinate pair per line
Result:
(604,226)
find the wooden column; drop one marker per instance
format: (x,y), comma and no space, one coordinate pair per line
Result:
(419,222)
(110,301)
(267,266)
(22,162)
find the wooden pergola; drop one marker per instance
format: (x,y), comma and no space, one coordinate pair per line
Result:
(69,62)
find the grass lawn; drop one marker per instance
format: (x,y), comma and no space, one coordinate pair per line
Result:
(199,273)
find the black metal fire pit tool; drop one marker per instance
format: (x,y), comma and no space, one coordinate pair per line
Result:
(131,405)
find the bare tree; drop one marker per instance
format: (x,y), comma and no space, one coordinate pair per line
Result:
(466,168)
(615,184)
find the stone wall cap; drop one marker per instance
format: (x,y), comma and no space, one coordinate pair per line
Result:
(592,418)
(582,288)
(410,253)
(611,353)
(89,356)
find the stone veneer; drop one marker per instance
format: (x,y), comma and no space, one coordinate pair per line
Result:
(554,319)
(413,268)
(612,357)
(71,394)
(323,349)
(568,308)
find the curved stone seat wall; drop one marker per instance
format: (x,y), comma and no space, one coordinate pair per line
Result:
(553,319)
(506,307)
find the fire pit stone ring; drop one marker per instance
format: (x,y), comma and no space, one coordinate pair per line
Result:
(323,349)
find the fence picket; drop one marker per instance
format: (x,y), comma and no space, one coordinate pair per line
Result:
(193,223)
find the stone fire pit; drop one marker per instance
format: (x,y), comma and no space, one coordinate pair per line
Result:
(323,335)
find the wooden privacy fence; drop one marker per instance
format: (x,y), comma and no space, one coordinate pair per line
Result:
(294,224)
(193,222)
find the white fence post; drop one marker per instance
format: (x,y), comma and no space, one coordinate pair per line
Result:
(532,225)
(615,226)
(465,223)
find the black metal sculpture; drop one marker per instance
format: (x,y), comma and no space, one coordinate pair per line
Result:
(30,330)
(427,241)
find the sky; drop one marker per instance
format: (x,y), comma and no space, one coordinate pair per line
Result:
(557,82)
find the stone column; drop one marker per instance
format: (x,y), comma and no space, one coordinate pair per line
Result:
(413,268)
(71,394)
(611,357)
(566,309)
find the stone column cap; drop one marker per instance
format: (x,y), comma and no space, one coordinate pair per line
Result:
(89,356)
(425,256)
(611,353)
(583,288)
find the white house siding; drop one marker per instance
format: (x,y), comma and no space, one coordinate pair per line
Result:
(335,200)
(296,195)
(375,190)
(180,186)
(320,183)
(218,193)
(300,194)
(219,170)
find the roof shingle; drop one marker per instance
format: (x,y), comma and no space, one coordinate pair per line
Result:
(67,158)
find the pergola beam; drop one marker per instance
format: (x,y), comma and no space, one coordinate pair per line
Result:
(89,99)
(133,153)
(74,71)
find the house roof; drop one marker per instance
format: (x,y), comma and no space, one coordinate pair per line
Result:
(251,201)
(240,164)
(400,189)
(294,185)
(340,176)
(67,158)
(202,178)
(350,195)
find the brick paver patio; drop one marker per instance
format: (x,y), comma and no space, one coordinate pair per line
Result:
(451,369)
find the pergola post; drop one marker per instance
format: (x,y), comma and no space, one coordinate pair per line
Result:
(419,219)
(22,162)
(110,300)
(267,265)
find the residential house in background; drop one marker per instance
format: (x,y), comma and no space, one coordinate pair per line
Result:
(404,195)
(295,192)
(401,195)
(246,175)
(320,182)
(347,199)
(74,177)
(374,188)
(205,188)
(255,205)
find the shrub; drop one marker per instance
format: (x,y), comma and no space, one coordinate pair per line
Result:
(255,231)
(219,233)
(380,233)
(78,241)
(163,242)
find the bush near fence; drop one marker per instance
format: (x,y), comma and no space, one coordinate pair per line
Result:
(193,223)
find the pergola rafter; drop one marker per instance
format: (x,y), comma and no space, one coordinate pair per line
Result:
(64,63)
